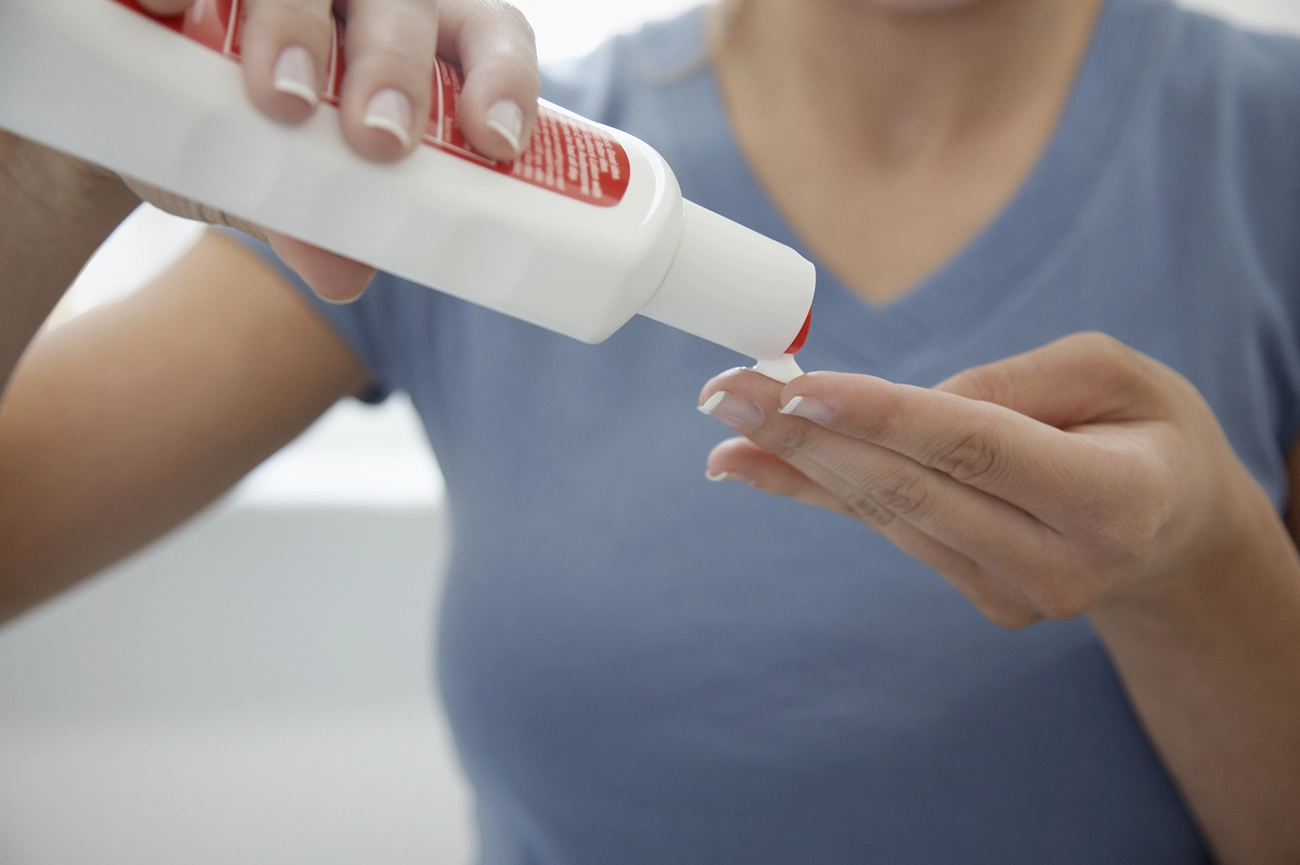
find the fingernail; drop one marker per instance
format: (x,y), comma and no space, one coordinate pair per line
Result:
(720,477)
(809,408)
(732,410)
(507,119)
(295,74)
(390,111)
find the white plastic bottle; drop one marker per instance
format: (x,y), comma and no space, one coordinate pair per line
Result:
(584,231)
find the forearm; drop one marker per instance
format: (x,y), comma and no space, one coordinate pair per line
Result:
(48,231)
(1214,673)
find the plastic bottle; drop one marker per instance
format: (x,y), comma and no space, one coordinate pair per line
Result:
(584,231)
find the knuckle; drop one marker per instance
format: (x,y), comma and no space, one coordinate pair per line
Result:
(1096,342)
(868,510)
(1124,537)
(995,602)
(904,494)
(976,457)
(299,13)
(1129,509)
(515,17)
(511,48)
(405,32)
(1061,606)
(788,439)
(1120,362)
(1126,531)
(498,14)
(1059,597)
(401,34)
(1007,615)
(400,52)
(882,423)
(991,383)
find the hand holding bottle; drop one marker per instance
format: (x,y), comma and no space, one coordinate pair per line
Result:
(383,99)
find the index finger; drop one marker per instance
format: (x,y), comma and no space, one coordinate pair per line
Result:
(993,449)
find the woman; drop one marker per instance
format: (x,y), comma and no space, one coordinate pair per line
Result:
(644,668)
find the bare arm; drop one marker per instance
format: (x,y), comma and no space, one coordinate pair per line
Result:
(1214,672)
(121,424)
(54,213)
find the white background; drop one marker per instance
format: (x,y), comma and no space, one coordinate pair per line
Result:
(256,688)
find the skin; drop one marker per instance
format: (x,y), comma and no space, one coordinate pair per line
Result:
(117,427)
(1080,479)
(928,121)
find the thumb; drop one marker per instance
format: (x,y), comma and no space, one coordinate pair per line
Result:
(333,277)
(1078,379)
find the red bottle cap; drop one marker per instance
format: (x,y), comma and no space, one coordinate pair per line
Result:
(802,337)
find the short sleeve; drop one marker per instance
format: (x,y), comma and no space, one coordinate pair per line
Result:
(361,324)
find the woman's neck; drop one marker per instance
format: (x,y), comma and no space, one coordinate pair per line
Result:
(899,135)
(893,84)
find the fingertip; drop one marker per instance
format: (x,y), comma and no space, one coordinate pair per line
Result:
(341,289)
(741,460)
(331,277)
(727,456)
(498,107)
(340,296)
(383,120)
(286,55)
(387,93)
(294,85)
(502,130)
(386,133)
(717,383)
(506,119)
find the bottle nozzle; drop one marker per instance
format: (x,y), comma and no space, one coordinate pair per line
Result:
(733,286)
(802,337)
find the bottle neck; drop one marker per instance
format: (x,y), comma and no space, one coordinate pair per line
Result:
(734,287)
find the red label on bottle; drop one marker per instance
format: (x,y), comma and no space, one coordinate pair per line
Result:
(566,154)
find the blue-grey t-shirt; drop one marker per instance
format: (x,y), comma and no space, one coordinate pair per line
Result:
(642,667)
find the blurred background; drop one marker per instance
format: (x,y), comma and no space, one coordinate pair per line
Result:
(258,687)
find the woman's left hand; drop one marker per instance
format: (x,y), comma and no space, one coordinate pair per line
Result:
(1079,475)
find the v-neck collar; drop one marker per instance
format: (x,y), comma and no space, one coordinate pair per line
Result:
(1129,43)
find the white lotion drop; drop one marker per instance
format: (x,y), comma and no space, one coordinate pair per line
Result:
(784,369)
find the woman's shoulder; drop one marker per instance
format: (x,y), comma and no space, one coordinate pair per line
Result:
(1243,79)
(1223,128)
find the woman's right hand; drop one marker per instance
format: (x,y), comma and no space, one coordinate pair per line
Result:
(385,100)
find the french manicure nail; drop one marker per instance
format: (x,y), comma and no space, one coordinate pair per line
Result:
(507,119)
(720,477)
(732,410)
(390,111)
(295,74)
(809,408)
